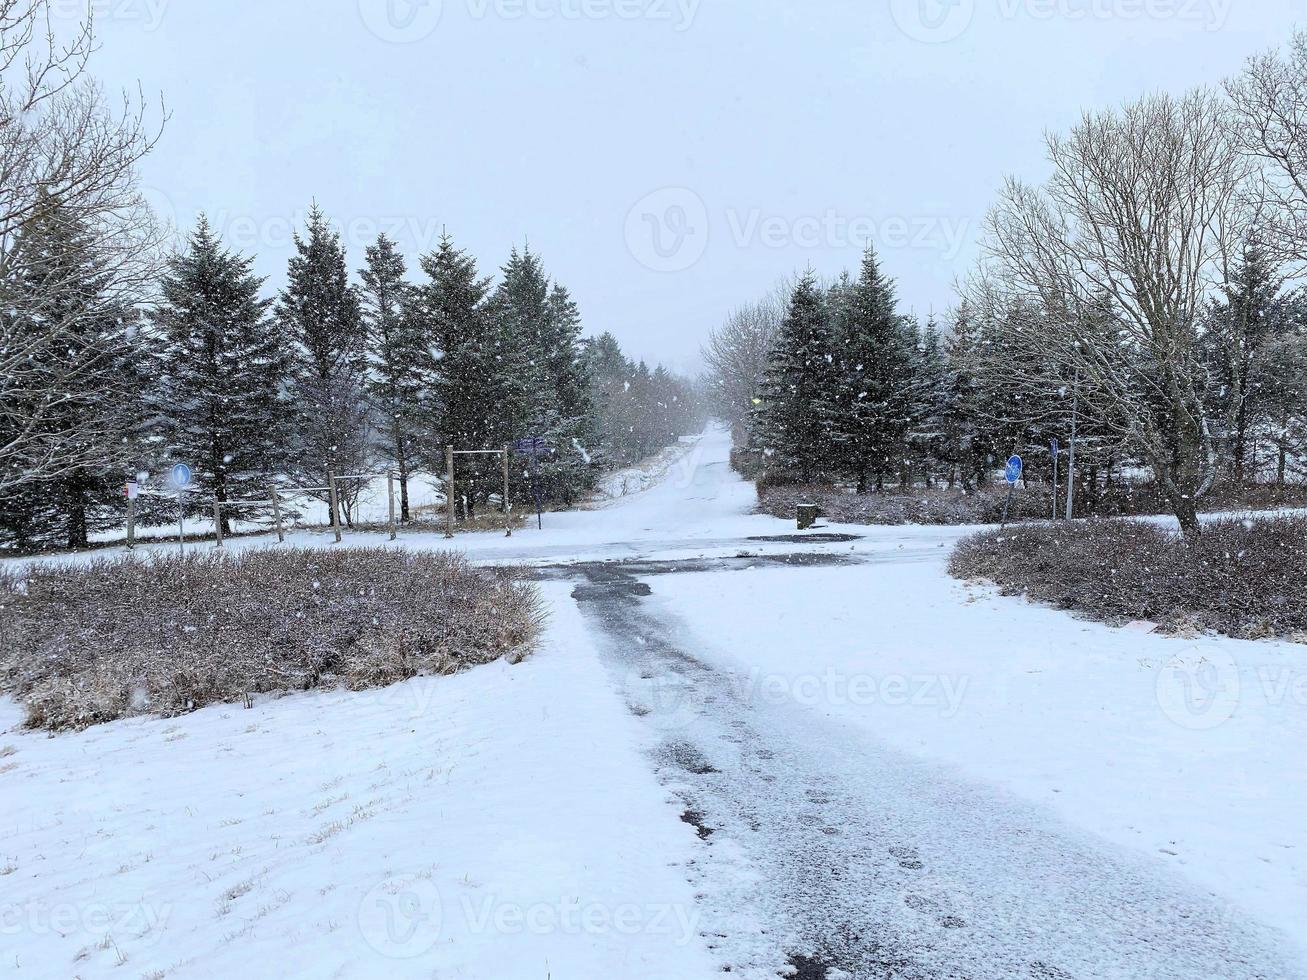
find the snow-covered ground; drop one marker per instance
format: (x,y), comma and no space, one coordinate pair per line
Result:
(286,839)
(1190,751)
(498,823)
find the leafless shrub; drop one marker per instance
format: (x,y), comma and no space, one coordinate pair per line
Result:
(90,643)
(1243,578)
(1029,503)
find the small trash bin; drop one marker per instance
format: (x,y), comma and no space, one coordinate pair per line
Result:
(807,516)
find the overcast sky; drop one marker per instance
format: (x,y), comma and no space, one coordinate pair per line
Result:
(669,159)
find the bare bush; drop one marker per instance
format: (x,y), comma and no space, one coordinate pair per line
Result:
(1242,578)
(1029,503)
(82,644)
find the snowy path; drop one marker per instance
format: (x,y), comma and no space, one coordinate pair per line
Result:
(828,850)
(750,746)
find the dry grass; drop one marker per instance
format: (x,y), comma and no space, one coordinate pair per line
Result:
(1243,578)
(81,644)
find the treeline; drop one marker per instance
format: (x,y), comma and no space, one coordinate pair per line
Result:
(1143,299)
(328,376)
(834,382)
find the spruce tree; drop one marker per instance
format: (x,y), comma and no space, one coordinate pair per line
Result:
(873,410)
(466,392)
(794,421)
(573,464)
(401,359)
(529,400)
(930,400)
(221,369)
(84,409)
(319,310)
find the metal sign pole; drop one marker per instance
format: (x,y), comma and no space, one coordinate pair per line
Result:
(1054,447)
(508,517)
(449,491)
(535,487)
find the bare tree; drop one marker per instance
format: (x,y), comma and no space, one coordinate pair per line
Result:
(1270,100)
(737,354)
(1141,219)
(65,147)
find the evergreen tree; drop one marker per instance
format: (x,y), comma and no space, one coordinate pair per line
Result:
(82,409)
(522,331)
(466,382)
(572,466)
(320,311)
(221,369)
(930,400)
(401,359)
(794,420)
(1251,314)
(965,446)
(873,394)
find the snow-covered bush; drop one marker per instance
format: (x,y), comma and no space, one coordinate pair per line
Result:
(1243,578)
(81,644)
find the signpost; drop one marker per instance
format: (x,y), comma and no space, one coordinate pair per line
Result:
(181,476)
(132,491)
(535,448)
(1053,447)
(1012,473)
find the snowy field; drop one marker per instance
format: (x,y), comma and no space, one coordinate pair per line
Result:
(517,822)
(498,823)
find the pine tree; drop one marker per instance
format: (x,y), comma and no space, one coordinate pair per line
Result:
(1251,314)
(81,407)
(221,368)
(529,401)
(964,444)
(794,419)
(572,466)
(401,359)
(930,399)
(466,390)
(873,397)
(320,312)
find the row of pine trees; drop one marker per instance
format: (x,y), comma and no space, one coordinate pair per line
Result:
(857,390)
(330,375)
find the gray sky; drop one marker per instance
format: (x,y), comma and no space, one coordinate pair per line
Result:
(669,159)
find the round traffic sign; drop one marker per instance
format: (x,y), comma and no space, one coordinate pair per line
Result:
(1013,472)
(181,475)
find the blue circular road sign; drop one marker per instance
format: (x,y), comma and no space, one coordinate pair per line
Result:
(1013,472)
(181,475)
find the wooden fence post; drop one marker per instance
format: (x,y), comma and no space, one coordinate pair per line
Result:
(390,494)
(508,517)
(217,523)
(449,491)
(335,509)
(276,515)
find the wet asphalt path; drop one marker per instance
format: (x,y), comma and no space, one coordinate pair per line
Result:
(827,854)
